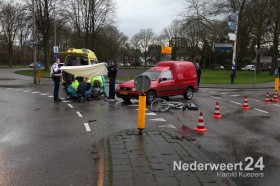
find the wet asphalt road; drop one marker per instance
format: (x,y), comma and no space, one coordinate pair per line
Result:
(47,143)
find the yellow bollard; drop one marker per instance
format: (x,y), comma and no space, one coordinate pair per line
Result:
(141,113)
(39,75)
(276,84)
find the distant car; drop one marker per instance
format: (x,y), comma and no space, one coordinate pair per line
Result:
(249,68)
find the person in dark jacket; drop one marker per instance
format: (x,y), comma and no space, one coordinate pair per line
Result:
(112,74)
(83,89)
(198,73)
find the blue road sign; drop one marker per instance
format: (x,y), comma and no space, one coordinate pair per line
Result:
(222,46)
(38,64)
(55,55)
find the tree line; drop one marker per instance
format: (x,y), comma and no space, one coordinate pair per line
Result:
(92,24)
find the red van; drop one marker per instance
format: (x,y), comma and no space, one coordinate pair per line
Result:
(168,78)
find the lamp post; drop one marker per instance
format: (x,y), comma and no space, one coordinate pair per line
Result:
(34,42)
(255,72)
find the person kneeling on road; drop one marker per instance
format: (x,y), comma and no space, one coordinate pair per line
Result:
(72,89)
(83,90)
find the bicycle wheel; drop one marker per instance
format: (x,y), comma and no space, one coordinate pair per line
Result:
(159,105)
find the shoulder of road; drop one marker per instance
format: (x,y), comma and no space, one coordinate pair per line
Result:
(9,79)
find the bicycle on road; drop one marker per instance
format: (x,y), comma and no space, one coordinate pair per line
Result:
(161,105)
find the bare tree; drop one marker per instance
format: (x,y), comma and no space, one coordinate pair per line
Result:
(9,16)
(142,41)
(90,17)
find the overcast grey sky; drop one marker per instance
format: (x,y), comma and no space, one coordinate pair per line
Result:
(134,15)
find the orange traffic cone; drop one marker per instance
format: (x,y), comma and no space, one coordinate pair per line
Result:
(245,105)
(275,97)
(266,101)
(217,113)
(200,125)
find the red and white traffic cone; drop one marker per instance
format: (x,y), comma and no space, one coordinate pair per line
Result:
(245,105)
(200,125)
(275,97)
(217,113)
(267,101)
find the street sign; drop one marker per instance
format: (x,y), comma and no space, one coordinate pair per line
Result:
(55,55)
(142,82)
(233,17)
(232,26)
(232,36)
(222,46)
(55,49)
(39,64)
(166,50)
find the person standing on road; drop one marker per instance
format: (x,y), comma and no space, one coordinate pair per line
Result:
(56,74)
(198,73)
(112,74)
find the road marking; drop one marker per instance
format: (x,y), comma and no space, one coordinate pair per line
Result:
(45,94)
(215,97)
(34,92)
(66,101)
(9,88)
(50,96)
(276,105)
(235,102)
(79,114)
(71,106)
(235,95)
(261,110)
(151,114)
(224,93)
(87,127)
(158,119)
(137,109)
(170,126)
(254,99)
(18,89)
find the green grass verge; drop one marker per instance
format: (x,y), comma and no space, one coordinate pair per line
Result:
(209,77)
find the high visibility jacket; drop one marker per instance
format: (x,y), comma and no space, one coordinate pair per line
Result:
(75,84)
(98,78)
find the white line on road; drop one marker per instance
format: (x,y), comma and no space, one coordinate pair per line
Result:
(18,89)
(87,127)
(79,114)
(137,109)
(254,99)
(50,96)
(276,105)
(151,114)
(261,110)
(157,119)
(34,92)
(224,93)
(65,101)
(71,106)
(45,94)
(9,88)
(215,97)
(235,102)
(235,95)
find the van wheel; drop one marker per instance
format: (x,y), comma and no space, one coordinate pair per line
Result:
(188,94)
(151,95)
